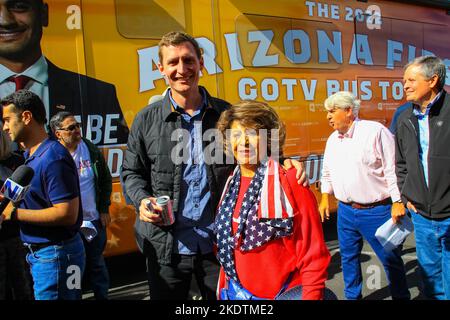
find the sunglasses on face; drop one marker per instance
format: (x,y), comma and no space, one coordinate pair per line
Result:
(71,127)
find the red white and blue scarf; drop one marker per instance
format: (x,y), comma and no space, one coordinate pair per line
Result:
(266,213)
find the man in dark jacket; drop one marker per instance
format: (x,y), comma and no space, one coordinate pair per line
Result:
(96,185)
(152,168)
(423,166)
(174,253)
(15,277)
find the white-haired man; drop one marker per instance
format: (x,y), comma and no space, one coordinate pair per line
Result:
(423,169)
(359,169)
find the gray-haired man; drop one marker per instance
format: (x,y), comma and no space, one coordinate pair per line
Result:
(423,169)
(96,183)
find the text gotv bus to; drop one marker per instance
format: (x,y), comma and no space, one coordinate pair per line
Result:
(291,54)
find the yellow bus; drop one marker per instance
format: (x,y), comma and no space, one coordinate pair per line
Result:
(291,54)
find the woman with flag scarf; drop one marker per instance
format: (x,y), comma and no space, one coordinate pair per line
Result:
(269,237)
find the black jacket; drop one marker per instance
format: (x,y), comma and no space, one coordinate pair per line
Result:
(85,96)
(102,178)
(9,229)
(432,201)
(149,171)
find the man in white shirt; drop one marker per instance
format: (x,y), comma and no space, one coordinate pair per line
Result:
(95,185)
(359,169)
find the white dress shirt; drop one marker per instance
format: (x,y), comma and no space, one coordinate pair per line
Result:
(359,166)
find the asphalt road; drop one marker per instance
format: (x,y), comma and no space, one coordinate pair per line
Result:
(128,278)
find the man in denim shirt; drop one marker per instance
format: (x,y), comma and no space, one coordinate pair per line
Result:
(194,231)
(176,253)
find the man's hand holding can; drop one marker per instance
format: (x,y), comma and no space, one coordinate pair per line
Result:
(167,215)
(149,211)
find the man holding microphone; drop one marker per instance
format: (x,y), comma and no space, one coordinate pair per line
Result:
(50,214)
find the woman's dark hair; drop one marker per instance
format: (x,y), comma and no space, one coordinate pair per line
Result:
(254,115)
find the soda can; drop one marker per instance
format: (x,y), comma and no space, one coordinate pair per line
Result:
(167,216)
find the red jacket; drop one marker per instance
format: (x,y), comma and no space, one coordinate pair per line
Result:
(264,271)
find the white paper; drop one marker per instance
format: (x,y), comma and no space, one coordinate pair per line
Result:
(391,235)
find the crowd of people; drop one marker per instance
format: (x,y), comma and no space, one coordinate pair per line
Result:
(247,226)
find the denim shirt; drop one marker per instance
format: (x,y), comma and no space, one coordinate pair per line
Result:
(424,134)
(193,222)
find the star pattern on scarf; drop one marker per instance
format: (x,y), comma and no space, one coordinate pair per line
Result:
(252,232)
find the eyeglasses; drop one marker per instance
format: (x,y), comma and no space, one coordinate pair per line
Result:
(71,127)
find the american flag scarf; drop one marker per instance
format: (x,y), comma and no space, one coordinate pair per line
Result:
(266,213)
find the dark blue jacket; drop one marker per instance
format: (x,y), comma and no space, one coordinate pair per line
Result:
(432,201)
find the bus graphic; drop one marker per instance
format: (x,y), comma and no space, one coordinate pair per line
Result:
(102,60)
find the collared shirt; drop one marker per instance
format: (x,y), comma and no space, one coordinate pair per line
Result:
(194,221)
(55,181)
(38,84)
(424,133)
(359,166)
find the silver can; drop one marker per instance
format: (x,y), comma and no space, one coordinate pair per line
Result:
(167,216)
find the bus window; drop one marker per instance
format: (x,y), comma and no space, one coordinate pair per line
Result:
(268,41)
(432,3)
(397,41)
(149,19)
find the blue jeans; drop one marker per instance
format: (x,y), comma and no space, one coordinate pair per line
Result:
(433,255)
(57,270)
(96,272)
(354,224)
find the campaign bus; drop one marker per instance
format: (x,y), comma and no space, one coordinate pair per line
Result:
(291,54)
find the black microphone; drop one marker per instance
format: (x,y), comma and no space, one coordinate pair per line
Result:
(15,187)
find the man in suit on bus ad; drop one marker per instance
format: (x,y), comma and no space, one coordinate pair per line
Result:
(23,66)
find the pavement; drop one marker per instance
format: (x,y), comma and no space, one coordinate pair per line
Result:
(128,277)
(374,278)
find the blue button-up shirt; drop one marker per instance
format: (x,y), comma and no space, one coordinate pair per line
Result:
(194,221)
(424,134)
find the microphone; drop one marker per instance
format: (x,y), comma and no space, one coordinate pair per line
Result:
(15,187)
